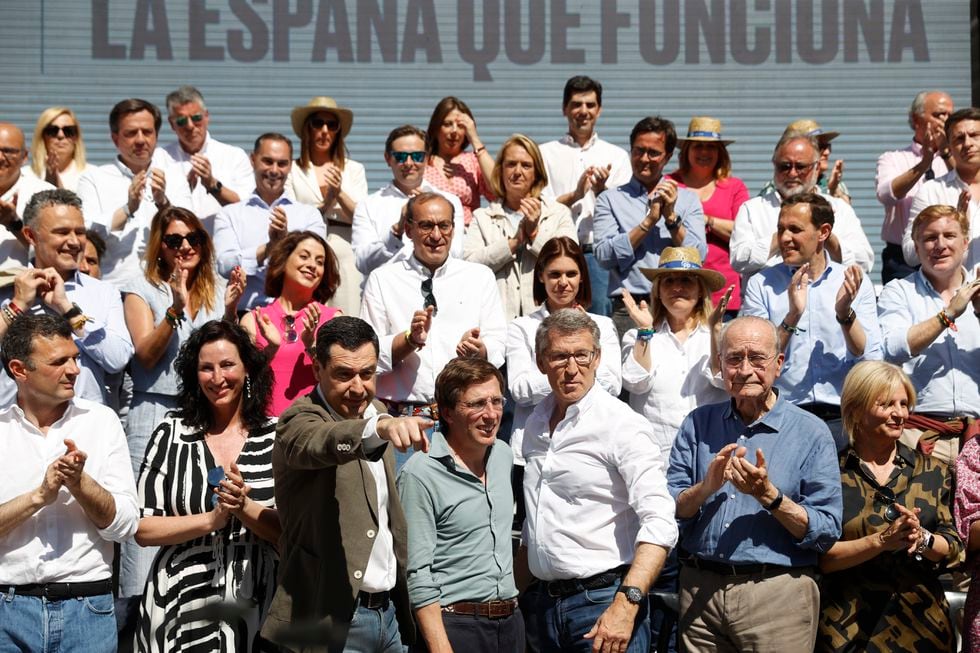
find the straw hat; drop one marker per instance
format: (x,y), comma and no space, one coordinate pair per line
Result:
(811,128)
(317,104)
(687,260)
(705,129)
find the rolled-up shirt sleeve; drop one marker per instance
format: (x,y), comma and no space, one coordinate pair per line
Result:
(820,495)
(895,318)
(638,459)
(420,517)
(116,477)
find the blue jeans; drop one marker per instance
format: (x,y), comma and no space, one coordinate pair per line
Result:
(374,631)
(599,282)
(37,625)
(557,625)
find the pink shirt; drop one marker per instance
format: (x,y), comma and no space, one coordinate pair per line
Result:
(890,165)
(467,182)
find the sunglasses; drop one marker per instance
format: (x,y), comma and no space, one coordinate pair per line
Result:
(428,298)
(291,335)
(786,166)
(319,123)
(215,476)
(173,241)
(181,121)
(402,157)
(52,131)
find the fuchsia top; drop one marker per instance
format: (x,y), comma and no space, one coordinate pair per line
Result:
(292,369)
(467,182)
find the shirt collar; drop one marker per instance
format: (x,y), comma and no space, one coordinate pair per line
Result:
(414,264)
(570,141)
(636,189)
(773,419)
(14,411)
(255,200)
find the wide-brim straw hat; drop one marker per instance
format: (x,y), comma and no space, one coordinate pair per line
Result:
(810,128)
(705,129)
(686,260)
(321,103)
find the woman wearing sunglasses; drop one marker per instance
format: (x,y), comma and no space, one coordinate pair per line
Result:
(325,177)
(302,276)
(880,589)
(180,290)
(206,492)
(57,150)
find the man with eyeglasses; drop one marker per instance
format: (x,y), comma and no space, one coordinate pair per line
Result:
(599,520)
(428,308)
(379,235)
(459,507)
(53,285)
(758,493)
(244,232)
(636,221)
(754,243)
(16,190)
(218,174)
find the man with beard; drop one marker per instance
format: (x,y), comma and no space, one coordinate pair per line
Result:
(754,243)
(245,231)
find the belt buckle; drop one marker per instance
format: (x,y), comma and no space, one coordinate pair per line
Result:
(449,608)
(497,609)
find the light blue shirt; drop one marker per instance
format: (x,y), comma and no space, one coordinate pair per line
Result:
(617,211)
(733,527)
(817,359)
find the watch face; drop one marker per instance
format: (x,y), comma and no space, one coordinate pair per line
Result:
(634,595)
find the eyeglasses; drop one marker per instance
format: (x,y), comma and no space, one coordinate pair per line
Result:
(215,476)
(481,405)
(402,157)
(52,131)
(193,238)
(291,335)
(181,121)
(426,228)
(562,358)
(788,166)
(10,152)
(640,152)
(428,299)
(318,123)
(758,361)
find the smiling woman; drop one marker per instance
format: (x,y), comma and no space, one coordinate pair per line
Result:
(57,148)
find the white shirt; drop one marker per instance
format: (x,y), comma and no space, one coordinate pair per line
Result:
(466,297)
(565,162)
(229,164)
(241,228)
(528,385)
(59,543)
(679,380)
(944,190)
(756,222)
(375,215)
(304,186)
(594,489)
(69,176)
(104,190)
(13,254)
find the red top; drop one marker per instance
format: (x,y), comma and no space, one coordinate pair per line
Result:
(467,182)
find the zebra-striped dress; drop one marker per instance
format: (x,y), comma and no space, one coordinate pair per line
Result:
(210,593)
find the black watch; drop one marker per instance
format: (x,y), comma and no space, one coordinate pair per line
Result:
(633,594)
(775,502)
(214,190)
(672,224)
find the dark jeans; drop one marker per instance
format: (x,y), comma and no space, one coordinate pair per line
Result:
(599,283)
(893,265)
(470,634)
(663,619)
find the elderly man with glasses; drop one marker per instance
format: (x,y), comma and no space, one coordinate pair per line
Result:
(754,244)
(429,308)
(16,190)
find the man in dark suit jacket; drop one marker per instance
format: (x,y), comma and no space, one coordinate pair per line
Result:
(343,547)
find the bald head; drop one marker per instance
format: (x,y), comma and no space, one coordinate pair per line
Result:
(13,155)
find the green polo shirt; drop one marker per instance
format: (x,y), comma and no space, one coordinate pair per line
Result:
(459,542)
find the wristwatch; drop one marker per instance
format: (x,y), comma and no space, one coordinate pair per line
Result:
(775,502)
(633,594)
(672,224)
(214,190)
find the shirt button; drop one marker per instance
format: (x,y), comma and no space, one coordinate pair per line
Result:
(733,496)
(358,574)
(727,525)
(371,533)
(741,437)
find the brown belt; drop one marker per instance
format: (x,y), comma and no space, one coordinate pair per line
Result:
(490,609)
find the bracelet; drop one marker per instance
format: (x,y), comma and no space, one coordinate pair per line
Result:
(72,312)
(946,321)
(792,330)
(925,542)
(411,343)
(848,320)
(709,222)
(477,151)
(78,323)
(174,319)
(642,228)
(15,308)
(644,335)
(8,315)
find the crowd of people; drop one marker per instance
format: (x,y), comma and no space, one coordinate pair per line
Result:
(249,405)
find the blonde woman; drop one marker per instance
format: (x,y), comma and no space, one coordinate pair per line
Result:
(57,149)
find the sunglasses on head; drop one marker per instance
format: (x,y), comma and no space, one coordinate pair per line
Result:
(52,131)
(318,123)
(173,241)
(402,157)
(181,121)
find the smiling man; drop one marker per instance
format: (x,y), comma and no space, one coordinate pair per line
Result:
(599,520)
(752,531)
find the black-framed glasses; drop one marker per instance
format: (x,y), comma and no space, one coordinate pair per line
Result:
(428,298)
(193,238)
(787,166)
(402,157)
(319,123)
(641,152)
(181,121)
(215,476)
(562,358)
(52,131)
(291,335)
(480,405)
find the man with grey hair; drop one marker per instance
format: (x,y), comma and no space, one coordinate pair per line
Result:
(54,227)
(218,174)
(599,520)
(16,189)
(902,172)
(746,547)
(754,244)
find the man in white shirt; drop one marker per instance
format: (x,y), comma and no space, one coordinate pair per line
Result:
(16,189)
(754,244)
(959,188)
(379,234)
(245,231)
(901,174)
(67,494)
(53,225)
(580,167)
(120,199)
(599,520)
(429,308)
(217,174)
